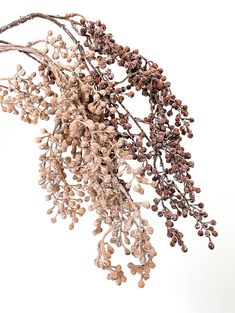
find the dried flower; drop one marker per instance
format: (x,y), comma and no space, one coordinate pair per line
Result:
(92,158)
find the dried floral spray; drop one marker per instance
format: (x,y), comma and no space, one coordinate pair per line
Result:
(99,155)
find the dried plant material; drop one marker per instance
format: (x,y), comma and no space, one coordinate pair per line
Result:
(93,160)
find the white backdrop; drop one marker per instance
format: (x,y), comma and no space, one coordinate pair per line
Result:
(47,268)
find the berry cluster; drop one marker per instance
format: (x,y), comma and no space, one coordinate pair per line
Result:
(99,155)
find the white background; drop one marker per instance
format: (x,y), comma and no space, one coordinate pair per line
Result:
(47,268)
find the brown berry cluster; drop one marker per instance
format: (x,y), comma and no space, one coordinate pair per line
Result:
(99,155)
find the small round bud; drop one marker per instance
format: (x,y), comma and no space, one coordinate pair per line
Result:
(200,232)
(130,94)
(141,284)
(174,217)
(211,245)
(169,223)
(48,197)
(55,55)
(71,226)
(83,31)
(38,139)
(53,220)
(149,230)
(214,233)
(154,208)
(130,265)
(201,205)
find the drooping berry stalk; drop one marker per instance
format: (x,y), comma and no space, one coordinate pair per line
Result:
(99,154)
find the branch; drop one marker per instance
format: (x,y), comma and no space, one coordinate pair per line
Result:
(51,18)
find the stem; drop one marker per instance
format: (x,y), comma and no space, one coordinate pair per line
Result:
(134,120)
(26,53)
(52,19)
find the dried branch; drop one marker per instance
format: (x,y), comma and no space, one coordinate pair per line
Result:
(93,159)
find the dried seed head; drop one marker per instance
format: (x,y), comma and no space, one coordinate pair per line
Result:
(99,153)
